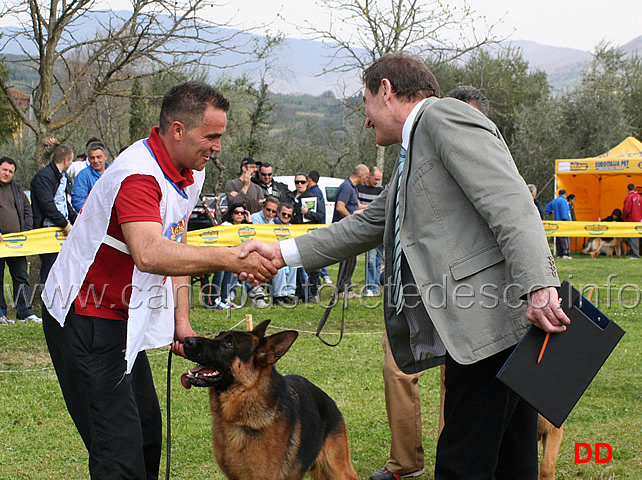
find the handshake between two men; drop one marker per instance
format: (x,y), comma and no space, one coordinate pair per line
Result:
(264,260)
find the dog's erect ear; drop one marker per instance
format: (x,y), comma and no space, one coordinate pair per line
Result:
(260,329)
(278,344)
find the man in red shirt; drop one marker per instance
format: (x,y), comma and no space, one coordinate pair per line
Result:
(632,212)
(142,203)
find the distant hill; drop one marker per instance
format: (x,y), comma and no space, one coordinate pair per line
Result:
(634,46)
(563,66)
(300,65)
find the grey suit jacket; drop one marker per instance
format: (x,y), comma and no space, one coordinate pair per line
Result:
(470,233)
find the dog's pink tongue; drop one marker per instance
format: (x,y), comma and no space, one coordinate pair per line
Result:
(196,369)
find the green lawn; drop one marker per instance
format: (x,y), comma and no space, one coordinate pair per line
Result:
(38,439)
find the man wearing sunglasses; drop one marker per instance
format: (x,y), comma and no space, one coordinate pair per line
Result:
(267,213)
(265,179)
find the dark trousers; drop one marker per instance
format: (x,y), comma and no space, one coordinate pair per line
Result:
(21,290)
(490,433)
(46,262)
(563,246)
(346,285)
(307,284)
(117,415)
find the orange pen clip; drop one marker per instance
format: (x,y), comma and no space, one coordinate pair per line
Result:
(541,352)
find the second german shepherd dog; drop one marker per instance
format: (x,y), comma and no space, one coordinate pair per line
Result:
(266,426)
(596,245)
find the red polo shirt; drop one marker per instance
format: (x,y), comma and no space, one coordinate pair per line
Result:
(105,291)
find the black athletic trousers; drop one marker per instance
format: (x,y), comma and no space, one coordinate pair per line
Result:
(117,415)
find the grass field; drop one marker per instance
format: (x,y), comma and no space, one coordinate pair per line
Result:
(39,441)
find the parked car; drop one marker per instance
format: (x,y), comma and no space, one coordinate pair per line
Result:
(329,187)
(199,218)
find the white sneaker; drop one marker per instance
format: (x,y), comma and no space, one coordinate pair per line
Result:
(32,318)
(566,257)
(259,302)
(327,280)
(6,321)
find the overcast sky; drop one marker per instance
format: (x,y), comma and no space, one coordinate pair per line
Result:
(566,23)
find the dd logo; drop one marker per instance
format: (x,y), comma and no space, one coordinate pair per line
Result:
(584,453)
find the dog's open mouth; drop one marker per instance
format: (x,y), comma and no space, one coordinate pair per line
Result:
(200,376)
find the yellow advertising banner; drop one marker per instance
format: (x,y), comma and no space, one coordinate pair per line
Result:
(49,240)
(32,242)
(232,235)
(593,229)
(625,158)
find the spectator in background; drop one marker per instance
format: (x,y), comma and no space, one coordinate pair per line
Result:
(632,212)
(561,213)
(571,206)
(224,282)
(313,187)
(49,201)
(81,161)
(347,203)
(368,191)
(616,216)
(267,213)
(309,206)
(538,204)
(472,96)
(87,178)
(264,216)
(284,282)
(313,183)
(15,216)
(265,179)
(243,190)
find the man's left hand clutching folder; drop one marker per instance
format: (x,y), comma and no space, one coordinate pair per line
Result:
(551,372)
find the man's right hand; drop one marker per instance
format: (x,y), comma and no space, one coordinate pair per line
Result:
(270,252)
(253,266)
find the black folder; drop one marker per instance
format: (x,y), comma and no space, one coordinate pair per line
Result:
(570,362)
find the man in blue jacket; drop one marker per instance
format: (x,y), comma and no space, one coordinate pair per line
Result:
(85,180)
(561,212)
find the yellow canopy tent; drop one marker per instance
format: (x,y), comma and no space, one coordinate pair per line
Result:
(600,183)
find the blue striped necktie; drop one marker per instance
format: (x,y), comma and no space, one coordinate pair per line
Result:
(397,294)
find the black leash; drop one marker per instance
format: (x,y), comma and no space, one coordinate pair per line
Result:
(169,418)
(341,281)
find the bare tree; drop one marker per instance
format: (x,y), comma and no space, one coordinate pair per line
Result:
(81,58)
(361,31)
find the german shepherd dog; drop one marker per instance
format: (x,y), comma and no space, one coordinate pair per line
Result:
(550,437)
(266,426)
(596,245)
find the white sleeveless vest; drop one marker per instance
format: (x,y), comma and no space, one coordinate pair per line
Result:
(151,306)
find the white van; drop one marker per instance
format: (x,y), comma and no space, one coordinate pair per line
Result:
(329,187)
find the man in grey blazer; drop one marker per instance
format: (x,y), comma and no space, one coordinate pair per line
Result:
(475,265)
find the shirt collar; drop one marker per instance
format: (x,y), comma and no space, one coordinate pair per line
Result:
(407,126)
(182,179)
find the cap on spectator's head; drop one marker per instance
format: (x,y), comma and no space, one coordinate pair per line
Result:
(247,161)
